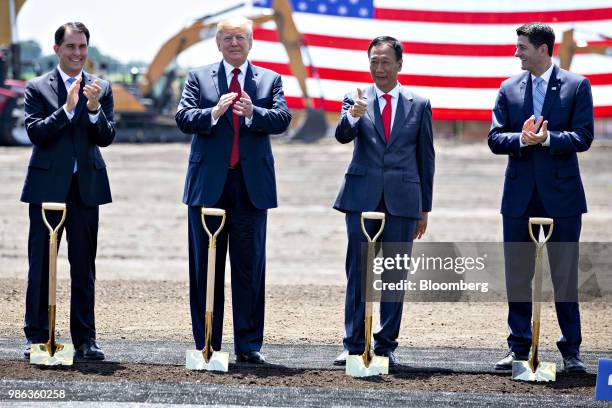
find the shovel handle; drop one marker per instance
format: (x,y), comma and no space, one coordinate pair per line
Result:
(53,246)
(217,212)
(371,215)
(540,221)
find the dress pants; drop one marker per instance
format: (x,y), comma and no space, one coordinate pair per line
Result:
(81,227)
(564,273)
(397,230)
(245,234)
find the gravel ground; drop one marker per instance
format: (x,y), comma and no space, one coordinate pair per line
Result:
(142,288)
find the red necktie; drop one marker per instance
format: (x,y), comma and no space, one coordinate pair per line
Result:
(386,117)
(235,87)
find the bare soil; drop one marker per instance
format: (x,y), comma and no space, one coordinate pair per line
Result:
(142,269)
(286,377)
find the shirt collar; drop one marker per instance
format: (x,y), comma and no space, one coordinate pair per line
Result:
(394,92)
(229,67)
(546,75)
(65,76)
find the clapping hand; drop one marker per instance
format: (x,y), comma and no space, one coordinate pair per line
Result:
(92,93)
(528,135)
(73,95)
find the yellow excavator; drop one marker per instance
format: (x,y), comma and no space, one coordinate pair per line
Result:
(130,106)
(569,47)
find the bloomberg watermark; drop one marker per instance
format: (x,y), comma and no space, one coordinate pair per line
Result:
(485,271)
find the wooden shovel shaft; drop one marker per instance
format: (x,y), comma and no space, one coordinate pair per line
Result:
(52,268)
(210,275)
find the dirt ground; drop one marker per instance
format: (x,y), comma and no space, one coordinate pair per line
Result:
(142,272)
(286,377)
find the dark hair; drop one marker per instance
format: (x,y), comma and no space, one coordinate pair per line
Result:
(394,43)
(74,26)
(538,34)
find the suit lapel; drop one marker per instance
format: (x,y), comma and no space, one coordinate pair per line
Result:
(214,75)
(251,82)
(525,90)
(57,85)
(404,106)
(552,92)
(223,89)
(374,112)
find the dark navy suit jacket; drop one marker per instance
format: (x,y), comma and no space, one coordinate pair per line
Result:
(402,170)
(211,146)
(568,108)
(57,140)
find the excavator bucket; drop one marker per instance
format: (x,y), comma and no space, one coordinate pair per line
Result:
(312,128)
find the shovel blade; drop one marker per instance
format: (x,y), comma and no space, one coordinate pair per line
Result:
(356,368)
(41,355)
(545,372)
(219,361)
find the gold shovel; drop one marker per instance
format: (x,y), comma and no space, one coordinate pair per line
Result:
(52,353)
(208,359)
(533,369)
(368,364)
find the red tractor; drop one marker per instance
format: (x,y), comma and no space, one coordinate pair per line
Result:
(12,130)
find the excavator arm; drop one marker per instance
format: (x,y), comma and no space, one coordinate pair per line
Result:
(314,125)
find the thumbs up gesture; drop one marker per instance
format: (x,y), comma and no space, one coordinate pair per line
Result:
(358,109)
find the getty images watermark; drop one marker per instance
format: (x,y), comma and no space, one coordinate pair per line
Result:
(477,271)
(404,262)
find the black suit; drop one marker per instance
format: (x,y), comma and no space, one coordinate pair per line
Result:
(58,142)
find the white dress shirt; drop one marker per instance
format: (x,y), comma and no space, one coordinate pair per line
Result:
(92,118)
(229,76)
(382,102)
(545,79)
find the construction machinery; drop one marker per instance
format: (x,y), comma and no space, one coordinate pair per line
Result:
(12,131)
(145,110)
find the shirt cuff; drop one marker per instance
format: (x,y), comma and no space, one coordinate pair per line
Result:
(248,121)
(213,121)
(93,118)
(547,141)
(351,119)
(69,114)
(521,141)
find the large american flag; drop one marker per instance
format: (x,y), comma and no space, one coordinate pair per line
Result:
(456,52)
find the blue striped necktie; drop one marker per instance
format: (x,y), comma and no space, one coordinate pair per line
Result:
(70,81)
(538,96)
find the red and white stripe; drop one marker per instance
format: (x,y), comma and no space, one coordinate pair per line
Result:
(456,53)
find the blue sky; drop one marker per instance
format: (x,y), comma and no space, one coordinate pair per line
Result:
(125,29)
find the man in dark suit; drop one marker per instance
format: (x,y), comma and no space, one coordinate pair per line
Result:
(541,119)
(231,107)
(68,116)
(391,171)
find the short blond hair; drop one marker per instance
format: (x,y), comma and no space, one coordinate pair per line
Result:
(235,22)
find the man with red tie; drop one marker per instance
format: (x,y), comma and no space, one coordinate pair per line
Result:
(392,172)
(231,108)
